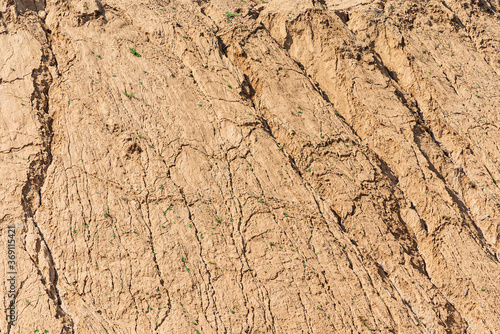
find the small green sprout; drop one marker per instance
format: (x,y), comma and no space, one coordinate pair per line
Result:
(135,53)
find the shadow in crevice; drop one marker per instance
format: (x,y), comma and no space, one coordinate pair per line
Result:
(463,208)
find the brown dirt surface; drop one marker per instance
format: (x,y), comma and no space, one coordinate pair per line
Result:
(240,166)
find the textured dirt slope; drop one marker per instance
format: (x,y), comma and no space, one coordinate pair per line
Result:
(273,167)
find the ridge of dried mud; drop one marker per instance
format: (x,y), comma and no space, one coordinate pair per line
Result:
(252,167)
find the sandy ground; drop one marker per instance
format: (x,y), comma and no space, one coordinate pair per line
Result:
(280,166)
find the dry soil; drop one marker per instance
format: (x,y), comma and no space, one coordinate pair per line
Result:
(240,166)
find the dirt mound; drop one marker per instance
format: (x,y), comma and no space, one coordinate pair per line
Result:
(224,166)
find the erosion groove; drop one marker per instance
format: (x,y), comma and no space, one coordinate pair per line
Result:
(275,166)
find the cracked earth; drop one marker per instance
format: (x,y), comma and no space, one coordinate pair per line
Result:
(223,166)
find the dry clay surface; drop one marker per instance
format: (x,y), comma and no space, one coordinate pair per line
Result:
(281,166)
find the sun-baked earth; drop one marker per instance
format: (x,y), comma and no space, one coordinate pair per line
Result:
(278,166)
